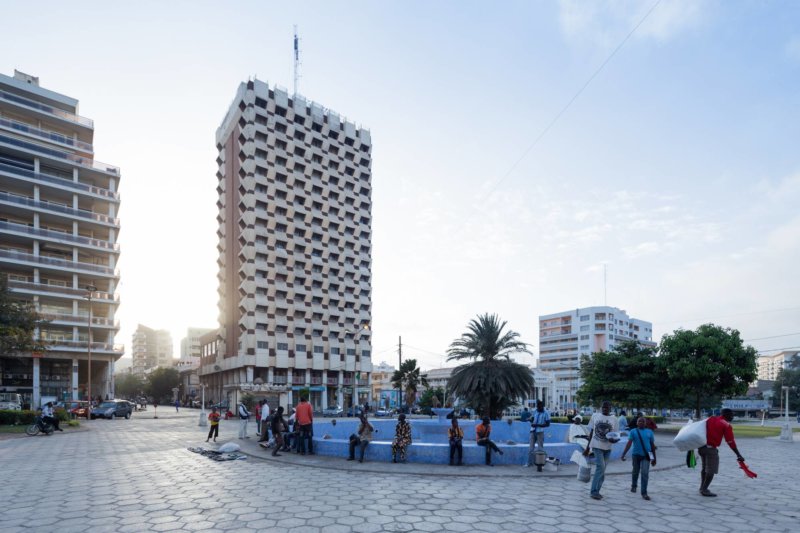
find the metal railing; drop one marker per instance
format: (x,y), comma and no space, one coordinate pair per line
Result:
(83,345)
(44,287)
(59,181)
(85,162)
(57,235)
(45,134)
(333,381)
(60,113)
(60,208)
(71,265)
(82,319)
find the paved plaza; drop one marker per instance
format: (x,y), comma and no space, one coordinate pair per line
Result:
(137,475)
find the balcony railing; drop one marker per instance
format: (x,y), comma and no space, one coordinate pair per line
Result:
(43,287)
(45,134)
(316,381)
(279,380)
(85,162)
(57,235)
(50,206)
(71,265)
(348,381)
(83,345)
(80,319)
(298,380)
(59,181)
(60,113)
(333,381)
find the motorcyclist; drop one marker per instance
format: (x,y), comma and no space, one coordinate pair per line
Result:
(48,416)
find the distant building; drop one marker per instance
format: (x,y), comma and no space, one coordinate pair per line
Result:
(383,393)
(150,349)
(58,243)
(190,346)
(564,337)
(770,365)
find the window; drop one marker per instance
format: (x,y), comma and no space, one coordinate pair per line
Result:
(318,349)
(365,353)
(351,351)
(262,345)
(283,346)
(584,318)
(335,351)
(300,347)
(584,337)
(584,328)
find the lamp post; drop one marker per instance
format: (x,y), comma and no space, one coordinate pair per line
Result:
(357,336)
(203,422)
(786,430)
(89,290)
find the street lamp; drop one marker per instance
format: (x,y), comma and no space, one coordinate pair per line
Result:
(357,336)
(203,422)
(786,430)
(89,290)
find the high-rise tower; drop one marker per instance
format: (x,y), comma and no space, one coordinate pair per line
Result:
(294,186)
(58,242)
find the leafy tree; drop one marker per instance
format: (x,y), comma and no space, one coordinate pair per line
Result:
(711,361)
(407,378)
(426,402)
(18,321)
(129,386)
(789,376)
(626,375)
(160,383)
(492,381)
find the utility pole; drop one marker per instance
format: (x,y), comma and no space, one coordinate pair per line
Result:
(399,364)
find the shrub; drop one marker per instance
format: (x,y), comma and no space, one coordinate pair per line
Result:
(17,418)
(74,423)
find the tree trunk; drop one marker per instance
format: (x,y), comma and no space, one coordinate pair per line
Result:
(697,406)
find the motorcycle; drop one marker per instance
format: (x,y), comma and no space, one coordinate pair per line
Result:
(40,426)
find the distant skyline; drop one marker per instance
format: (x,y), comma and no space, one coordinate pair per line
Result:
(676,165)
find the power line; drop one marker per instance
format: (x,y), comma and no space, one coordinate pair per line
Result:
(772,337)
(779,349)
(726,316)
(570,102)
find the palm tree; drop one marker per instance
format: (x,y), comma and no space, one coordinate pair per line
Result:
(408,379)
(492,381)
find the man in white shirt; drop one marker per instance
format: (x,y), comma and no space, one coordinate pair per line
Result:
(244,414)
(600,426)
(48,415)
(264,422)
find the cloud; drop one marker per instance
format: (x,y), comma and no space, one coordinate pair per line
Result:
(604,23)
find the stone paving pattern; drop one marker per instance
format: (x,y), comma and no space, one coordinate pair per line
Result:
(137,475)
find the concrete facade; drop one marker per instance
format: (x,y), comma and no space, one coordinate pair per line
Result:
(770,365)
(295,243)
(58,242)
(150,349)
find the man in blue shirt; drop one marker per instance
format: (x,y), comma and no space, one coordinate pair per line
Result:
(540,419)
(644,454)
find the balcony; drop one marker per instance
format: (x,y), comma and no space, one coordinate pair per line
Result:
(12,227)
(59,263)
(83,346)
(51,136)
(347,381)
(80,320)
(60,113)
(316,380)
(298,380)
(84,162)
(332,381)
(279,380)
(61,182)
(43,287)
(58,208)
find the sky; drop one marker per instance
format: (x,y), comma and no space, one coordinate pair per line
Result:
(519,148)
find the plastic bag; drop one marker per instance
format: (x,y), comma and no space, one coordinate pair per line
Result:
(579,459)
(229,447)
(691,436)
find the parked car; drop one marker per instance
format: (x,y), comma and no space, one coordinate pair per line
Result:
(332,410)
(112,409)
(78,408)
(384,412)
(358,411)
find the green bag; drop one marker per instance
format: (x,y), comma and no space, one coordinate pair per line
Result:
(691,460)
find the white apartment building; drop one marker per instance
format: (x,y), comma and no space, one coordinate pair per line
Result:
(150,349)
(295,247)
(769,365)
(565,336)
(190,345)
(58,242)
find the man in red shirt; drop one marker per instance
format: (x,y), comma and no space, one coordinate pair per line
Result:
(717,427)
(304,417)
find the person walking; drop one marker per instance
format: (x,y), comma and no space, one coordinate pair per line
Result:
(717,427)
(402,438)
(213,419)
(540,419)
(305,419)
(244,416)
(361,439)
(600,425)
(177,405)
(265,422)
(278,428)
(455,435)
(482,433)
(643,456)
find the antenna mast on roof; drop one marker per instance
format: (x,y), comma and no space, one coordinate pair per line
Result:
(296,58)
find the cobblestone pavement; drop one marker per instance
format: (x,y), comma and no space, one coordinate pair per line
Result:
(137,475)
